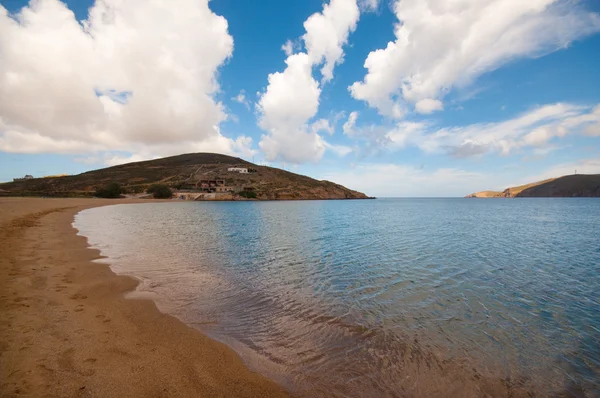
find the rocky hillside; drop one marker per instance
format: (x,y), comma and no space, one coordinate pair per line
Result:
(579,185)
(183,171)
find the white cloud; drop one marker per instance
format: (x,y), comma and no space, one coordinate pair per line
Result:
(322,125)
(397,180)
(350,124)
(327,32)
(116,159)
(373,137)
(532,129)
(428,105)
(406,132)
(368,5)
(394,180)
(544,151)
(243,147)
(241,99)
(288,48)
(292,96)
(441,45)
(340,150)
(536,128)
(114,82)
(594,129)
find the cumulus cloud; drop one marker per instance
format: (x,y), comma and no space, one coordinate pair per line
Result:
(428,105)
(327,32)
(441,45)
(292,97)
(113,82)
(243,147)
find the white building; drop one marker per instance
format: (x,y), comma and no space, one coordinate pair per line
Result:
(241,170)
(27,177)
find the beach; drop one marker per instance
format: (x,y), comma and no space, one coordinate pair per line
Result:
(67,330)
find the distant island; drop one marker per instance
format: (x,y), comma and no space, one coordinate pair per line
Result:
(576,185)
(194,176)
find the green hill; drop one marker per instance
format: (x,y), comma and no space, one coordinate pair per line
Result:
(185,171)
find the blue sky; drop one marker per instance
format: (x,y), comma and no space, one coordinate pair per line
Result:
(410,98)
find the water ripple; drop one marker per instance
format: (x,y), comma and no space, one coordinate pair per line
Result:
(379,298)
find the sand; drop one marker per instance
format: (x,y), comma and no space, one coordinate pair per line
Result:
(66,329)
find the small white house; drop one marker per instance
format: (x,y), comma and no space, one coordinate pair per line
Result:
(27,177)
(241,170)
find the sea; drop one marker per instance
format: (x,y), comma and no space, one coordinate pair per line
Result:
(377,298)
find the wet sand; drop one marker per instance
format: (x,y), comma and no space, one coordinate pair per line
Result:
(66,329)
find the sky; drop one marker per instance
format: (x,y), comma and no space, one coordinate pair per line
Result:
(392,98)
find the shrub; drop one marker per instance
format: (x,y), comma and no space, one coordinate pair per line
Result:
(248,194)
(111,191)
(160,191)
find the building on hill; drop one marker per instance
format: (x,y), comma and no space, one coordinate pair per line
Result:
(241,170)
(213,186)
(27,177)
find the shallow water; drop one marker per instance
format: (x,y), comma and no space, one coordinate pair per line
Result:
(391,297)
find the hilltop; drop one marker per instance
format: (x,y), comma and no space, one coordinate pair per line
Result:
(185,172)
(576,185)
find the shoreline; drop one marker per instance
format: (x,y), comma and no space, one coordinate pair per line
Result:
(67,329)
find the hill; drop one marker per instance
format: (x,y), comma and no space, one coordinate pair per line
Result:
(577,185)
(185,172)
(486,194)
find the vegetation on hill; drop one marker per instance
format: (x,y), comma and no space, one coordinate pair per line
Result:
(184,171)
(110,191)
(160,191)
(578,185)
(248,194)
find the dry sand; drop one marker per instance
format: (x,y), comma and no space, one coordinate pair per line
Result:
(66,329)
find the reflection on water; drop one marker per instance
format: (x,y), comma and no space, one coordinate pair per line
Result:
(408,297)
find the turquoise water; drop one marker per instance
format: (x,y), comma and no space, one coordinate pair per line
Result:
(390,297)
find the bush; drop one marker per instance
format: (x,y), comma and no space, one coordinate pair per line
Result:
(248,194)
(111,191)
(160,191)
